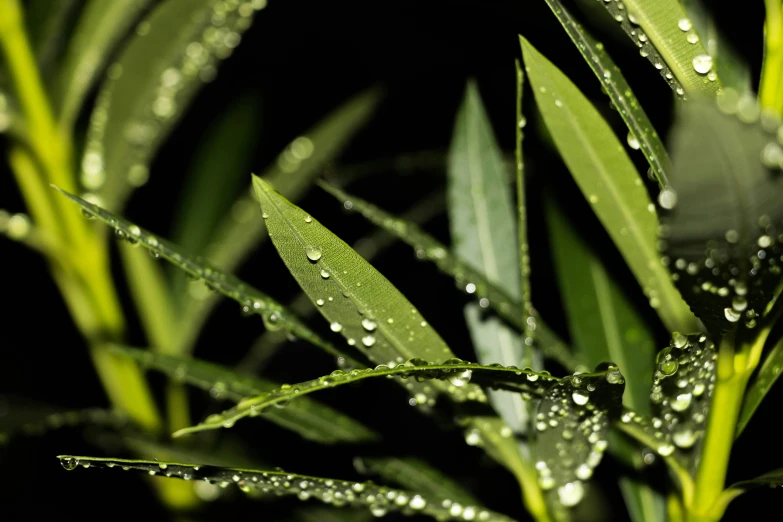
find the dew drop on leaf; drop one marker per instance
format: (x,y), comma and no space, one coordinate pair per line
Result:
(702,63)
(69,463)
(335,326)
(633,142)
(570,494)
(313,253)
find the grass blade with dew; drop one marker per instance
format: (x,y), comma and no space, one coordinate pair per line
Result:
(417,475)
(720,233)
(641,133)
(455,371)
(42,424)
(378,499)
(666,37)
(762,383)
(608,179)
(482,224)
(141,100)
(309,418)
(605,327)
(100,28)
(253,301)
(467,278)
(771,479)
(359,302)
(239,232)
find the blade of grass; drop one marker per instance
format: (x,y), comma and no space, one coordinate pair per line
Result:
(769,372)
(771,86)
(612,80)
(609,181)
(378,499)
(309,418)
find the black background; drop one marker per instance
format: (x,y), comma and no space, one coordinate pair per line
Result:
(306,57)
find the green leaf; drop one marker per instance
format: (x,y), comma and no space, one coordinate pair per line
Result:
(101,26)
(665,36)
(732,68)
(605,327)
(770,371)
(682,392)
(572,425)
(772,478)
(603,323)
(608,180)
(142,98)
(458,373)
(47,24)
(523,257)
(253,301)
(360,304)
(721,238)
(239,232)
(417,475)
(42,424)
(309,418)
(468,279)
(642,134)
(481,219)
(378,499)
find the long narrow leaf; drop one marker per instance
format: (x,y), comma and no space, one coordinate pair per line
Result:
(642,134)
(311,419)
(142,98)
(100,28)
(770,371)
(458,373)
(379,500)
(467,278)
(666,37)
(253,301)
(608,180)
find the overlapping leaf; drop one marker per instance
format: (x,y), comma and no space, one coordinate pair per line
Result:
(378,499)
(608,180)
(768,374)
(312,420)
(722,238)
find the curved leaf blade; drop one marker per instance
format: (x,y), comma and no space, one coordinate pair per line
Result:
(100,28)
(309,418)
(607,178)
(458,373)
(642,134)
(141,99)
(721,238)
(665,35)
(770,371)
(378,499)
(468,279)
(253,301)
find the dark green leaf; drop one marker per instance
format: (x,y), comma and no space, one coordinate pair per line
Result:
(378,499)
(572,424)
(311,419)
(458,373)
(253,301)
(772,478)
(46,22)
(36,424)
(771,369)
(142,98)
(641,134)
(722,238)
(665,36)
(607,178)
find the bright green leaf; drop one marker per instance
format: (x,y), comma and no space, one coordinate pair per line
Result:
(665,36)
(770,371)
(606,176)
(378,499)
(642,134)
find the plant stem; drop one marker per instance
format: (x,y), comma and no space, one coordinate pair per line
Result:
(771,85)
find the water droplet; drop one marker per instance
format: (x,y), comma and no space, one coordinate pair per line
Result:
(369,324)
(667,198)
(633,142)
(681,402)
(417,502)
(460,378)
(664,450)
(684,437)
(685,25)
(313,253)
(593,199)
(336,327)
(368,340)
(319,302)
(692,38)
(69,463)
(308,219)
(324,274)
(580,398)
(702,63)
(584,472)
(731,315)
(571,494)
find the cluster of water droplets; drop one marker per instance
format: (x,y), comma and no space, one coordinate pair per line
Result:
(379,500)
(215,32)
(629,24)
(571,426)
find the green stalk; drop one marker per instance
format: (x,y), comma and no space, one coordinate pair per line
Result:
(771,85)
